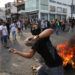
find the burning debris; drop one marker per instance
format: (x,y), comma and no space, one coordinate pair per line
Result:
(67,53)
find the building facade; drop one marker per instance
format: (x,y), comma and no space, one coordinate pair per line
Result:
(2,14)
(10,9)
(47,9)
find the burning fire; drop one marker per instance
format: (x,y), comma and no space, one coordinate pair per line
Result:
(67,54)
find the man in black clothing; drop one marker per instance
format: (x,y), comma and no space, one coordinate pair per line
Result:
(53,63)
(8,28)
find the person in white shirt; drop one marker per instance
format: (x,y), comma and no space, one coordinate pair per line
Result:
(13,30)
(19,27)
(4,34)
(44,25)
(1,33)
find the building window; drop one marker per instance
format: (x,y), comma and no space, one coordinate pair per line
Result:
(21,7)
(57,2)
(44,16)
(8,5)
(45,2)
(52,8)
(59,17)
(52,1)
(37,4)
(44,7)
(63,17)
(52,16)
(59,9)
(5,5)
(7,12)
(31,5)
(64,10)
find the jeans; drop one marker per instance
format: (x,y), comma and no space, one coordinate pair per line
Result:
(51,71)
(4,40)
(1,38)
(14,35)
(58,30)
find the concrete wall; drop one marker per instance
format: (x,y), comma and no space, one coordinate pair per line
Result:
(2,14)
(13,9)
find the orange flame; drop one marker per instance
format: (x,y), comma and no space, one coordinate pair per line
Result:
(67,54)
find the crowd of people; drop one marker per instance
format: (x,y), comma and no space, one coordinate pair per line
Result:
(14,27)
(58,25)
(9,27)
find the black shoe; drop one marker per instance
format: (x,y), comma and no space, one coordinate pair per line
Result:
(6,47)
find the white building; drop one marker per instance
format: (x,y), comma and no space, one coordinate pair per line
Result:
(2,14)
(48,9)
(10,8)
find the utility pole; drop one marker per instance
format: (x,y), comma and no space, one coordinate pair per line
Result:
(72,9)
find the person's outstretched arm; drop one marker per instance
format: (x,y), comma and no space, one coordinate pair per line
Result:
(28,54)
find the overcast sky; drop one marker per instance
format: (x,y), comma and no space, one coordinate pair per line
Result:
(2,2)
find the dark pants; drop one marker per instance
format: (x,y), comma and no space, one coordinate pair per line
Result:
(1,38)
(44,70)
(63,28)
(4,39)
(8,34)
(14,35)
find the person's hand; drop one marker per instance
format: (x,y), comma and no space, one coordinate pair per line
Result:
(31,40)
(12,50)
(36,38)
(28,41)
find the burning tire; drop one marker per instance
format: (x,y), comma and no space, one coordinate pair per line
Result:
(68,56)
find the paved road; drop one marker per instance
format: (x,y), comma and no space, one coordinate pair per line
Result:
(11,64)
